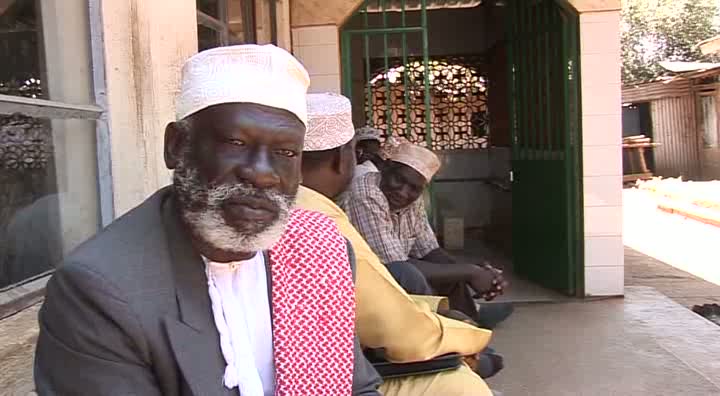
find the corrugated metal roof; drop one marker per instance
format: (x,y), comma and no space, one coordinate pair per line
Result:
(414,5)
(674,86)
(681,67)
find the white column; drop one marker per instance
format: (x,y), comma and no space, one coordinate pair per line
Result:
(602,152)
(146,43)
(318,48)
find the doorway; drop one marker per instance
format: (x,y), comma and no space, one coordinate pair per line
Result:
(493,88)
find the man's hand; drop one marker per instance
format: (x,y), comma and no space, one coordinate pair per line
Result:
(499,284)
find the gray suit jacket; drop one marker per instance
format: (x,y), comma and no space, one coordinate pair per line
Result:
(128,313)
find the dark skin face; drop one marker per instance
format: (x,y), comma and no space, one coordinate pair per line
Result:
(402,185)
(241,142)
(334,176)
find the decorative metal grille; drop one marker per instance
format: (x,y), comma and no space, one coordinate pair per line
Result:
(458,88)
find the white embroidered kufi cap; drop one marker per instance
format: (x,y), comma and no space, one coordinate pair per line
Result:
(261,74)
(329,122)
(367,133)
(419,158)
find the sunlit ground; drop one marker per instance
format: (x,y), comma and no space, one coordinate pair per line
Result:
(685,244)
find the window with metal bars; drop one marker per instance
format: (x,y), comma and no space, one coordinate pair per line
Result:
(55,185)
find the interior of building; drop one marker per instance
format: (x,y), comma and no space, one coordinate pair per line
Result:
(500,106)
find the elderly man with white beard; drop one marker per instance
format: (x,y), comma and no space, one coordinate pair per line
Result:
(214,285)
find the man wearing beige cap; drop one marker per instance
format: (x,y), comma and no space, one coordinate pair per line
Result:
(369,151)
(214,285)
(387,208)
(405,327)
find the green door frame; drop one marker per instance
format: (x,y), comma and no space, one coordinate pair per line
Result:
(545,120)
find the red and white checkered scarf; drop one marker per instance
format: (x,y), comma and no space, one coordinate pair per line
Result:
(313,305)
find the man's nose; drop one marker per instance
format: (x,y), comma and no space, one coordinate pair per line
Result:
(259,171)
(404,192)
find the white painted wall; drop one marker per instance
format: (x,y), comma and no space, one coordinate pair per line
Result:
(318,48)
(146,43)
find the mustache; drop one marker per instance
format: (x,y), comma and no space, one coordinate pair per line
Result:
(219,194)
(197,196)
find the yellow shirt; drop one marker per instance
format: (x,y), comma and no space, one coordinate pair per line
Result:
(387,317)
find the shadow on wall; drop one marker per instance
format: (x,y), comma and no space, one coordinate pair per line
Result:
(474,185)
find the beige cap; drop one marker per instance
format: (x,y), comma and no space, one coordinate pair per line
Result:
(419,158)
(329,122)
(262,74)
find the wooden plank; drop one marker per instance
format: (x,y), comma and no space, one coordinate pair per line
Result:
(710,46)
(703,215)
(637,176)
(321,12)
(284,34)
(642,145)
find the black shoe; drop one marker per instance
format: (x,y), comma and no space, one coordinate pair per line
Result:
(489,364)
(490,315)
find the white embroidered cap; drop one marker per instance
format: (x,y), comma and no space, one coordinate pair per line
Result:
(261,74)
(367,133)
(329,122)
(419,158)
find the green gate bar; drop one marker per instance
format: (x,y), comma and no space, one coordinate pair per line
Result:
(368,76)
(386,80)
(426,68)
(406,89)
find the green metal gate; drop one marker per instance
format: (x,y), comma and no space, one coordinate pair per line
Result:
(366,33)
(543,68)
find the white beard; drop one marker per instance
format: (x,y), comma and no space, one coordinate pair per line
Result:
(201,208)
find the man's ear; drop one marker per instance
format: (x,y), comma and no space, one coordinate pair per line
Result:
(344,160)
(175,139)
(337,161)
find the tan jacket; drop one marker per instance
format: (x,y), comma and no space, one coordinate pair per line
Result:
(387,317)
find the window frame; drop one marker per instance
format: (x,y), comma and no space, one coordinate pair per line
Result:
(21,295)
(221,24)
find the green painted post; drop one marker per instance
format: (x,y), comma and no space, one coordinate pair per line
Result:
(426,68)
(345,55)
(406,87)
(547,25)
(577,232)
(368,73)
(532,108)
(567,75)
(388,93)
(523,62)
(512,83)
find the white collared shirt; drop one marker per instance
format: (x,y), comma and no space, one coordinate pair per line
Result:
(364,168)
(243,291)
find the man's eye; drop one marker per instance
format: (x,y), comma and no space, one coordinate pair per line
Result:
(236,142)
(287,153)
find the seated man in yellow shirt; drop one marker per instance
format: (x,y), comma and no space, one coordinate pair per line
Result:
(386,317)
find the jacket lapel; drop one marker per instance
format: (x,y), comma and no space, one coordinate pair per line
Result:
(194,339)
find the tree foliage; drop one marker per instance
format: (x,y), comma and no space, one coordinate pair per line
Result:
(663,30)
